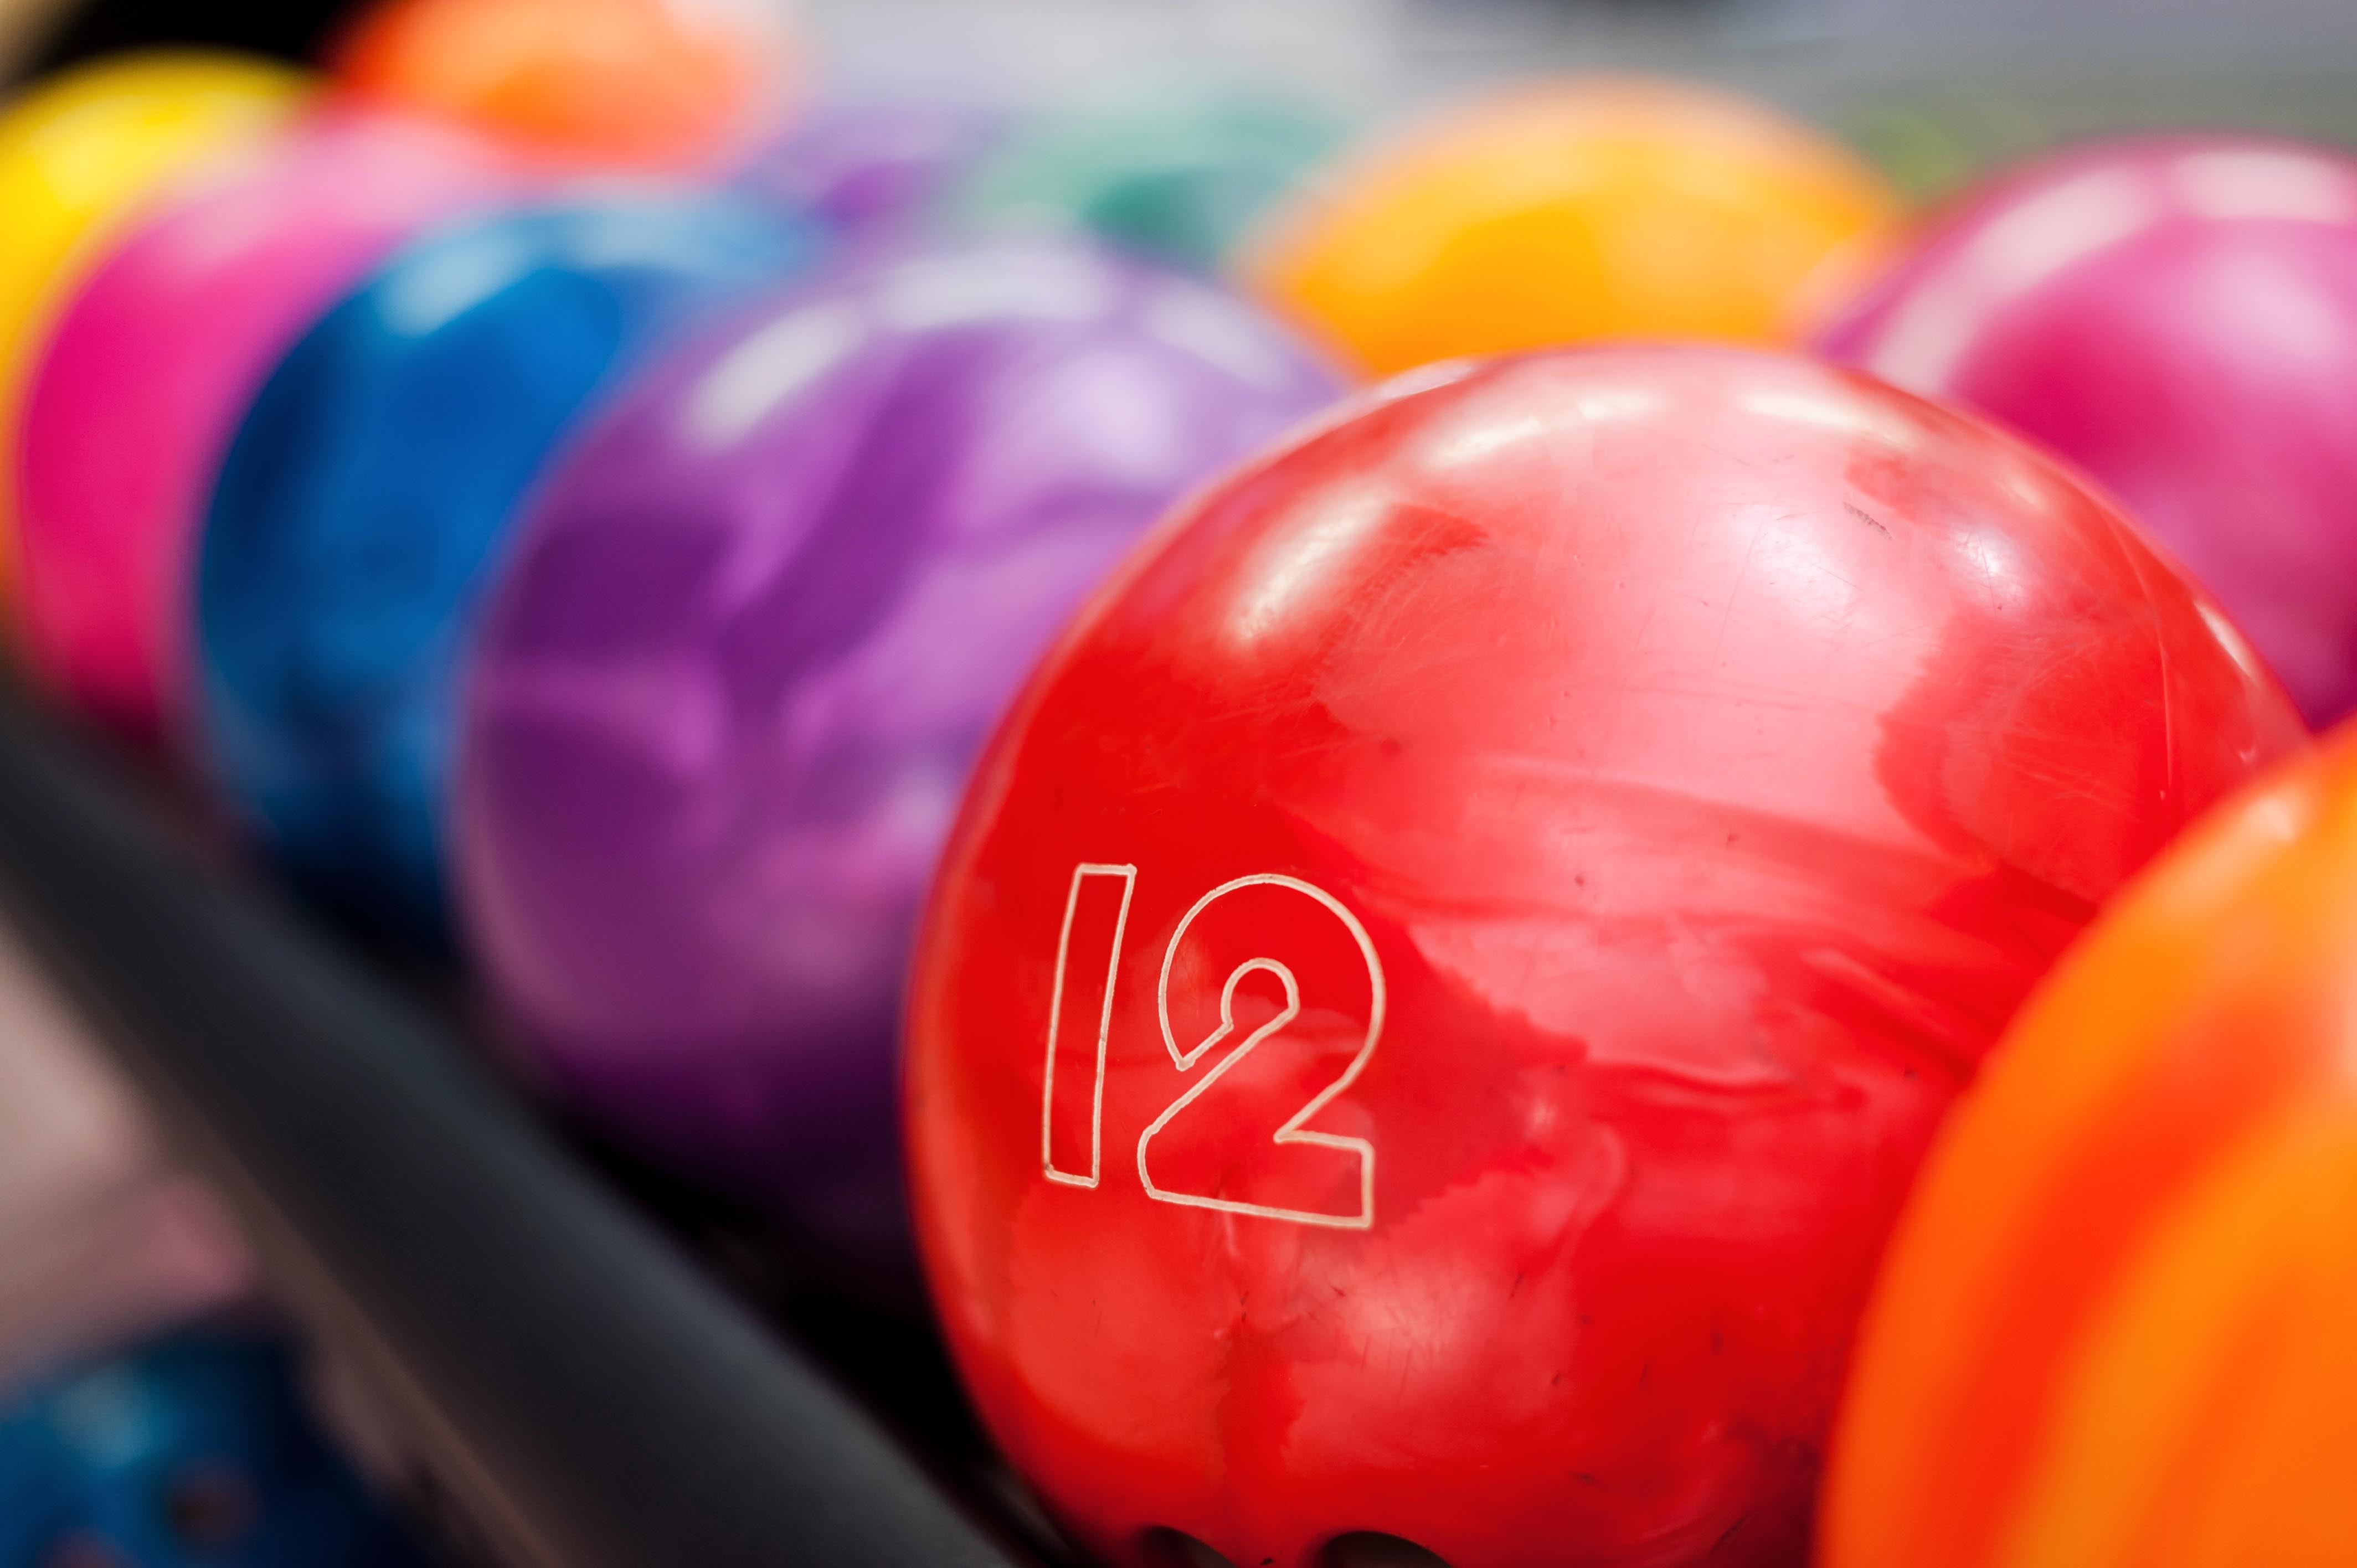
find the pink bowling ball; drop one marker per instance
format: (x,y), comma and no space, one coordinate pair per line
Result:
(150,366)
(2179,318)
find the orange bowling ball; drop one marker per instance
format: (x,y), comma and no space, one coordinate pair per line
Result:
(640,83)
(2118,1326)
(1586,208)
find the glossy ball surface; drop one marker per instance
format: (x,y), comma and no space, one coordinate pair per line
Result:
(633,82)
(152,364)
(2179,318)
(191,1453)
(756,631)
(2115,1327)
(1178,181)
(1508,885)
(364,499)
(1589,208)
(82,151)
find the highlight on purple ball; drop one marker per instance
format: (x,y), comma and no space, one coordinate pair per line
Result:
(2178,316)
(751,640)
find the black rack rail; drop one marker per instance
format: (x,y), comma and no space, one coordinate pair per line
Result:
(547,1363)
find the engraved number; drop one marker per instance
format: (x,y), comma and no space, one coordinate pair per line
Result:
(1292,1134)
(1088,953)
(1088,887)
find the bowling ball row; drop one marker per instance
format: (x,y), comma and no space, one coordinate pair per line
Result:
(1402,947)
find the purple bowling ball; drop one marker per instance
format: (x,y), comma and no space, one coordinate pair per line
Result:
(2179,318)
(871,170)
(753,636)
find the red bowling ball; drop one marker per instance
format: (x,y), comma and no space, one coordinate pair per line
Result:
(1445,976)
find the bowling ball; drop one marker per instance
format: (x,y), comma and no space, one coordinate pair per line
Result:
(640,83)
(2114,1331)
(364,501)
(2178,317)
(1177,181)
(85,148)
(1581,209)
(758,626)
(1441,983)
(155,358)
(192,1451)
(870,170)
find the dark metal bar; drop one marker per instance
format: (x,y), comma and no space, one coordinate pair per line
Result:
(585,1397)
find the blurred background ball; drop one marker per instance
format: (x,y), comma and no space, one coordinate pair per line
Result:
(2179,316)
(2114,1328)
(82,150)
(1178,181)
(871,170)
(363,502)
(154,362)
(1508,883)
(758,626)
(104,1239)
(194,1452)
(632,82)
(1601,208)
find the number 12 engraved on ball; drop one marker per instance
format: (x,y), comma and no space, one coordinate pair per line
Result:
(1096,907)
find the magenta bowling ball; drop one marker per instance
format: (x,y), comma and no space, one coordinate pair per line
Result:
(2178,317)
(724,699)
(153,362)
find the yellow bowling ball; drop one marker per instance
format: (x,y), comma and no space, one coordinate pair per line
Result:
(1602,208)
(82,150)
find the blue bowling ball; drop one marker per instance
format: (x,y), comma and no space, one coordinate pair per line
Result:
(193,1453)
(363,504)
